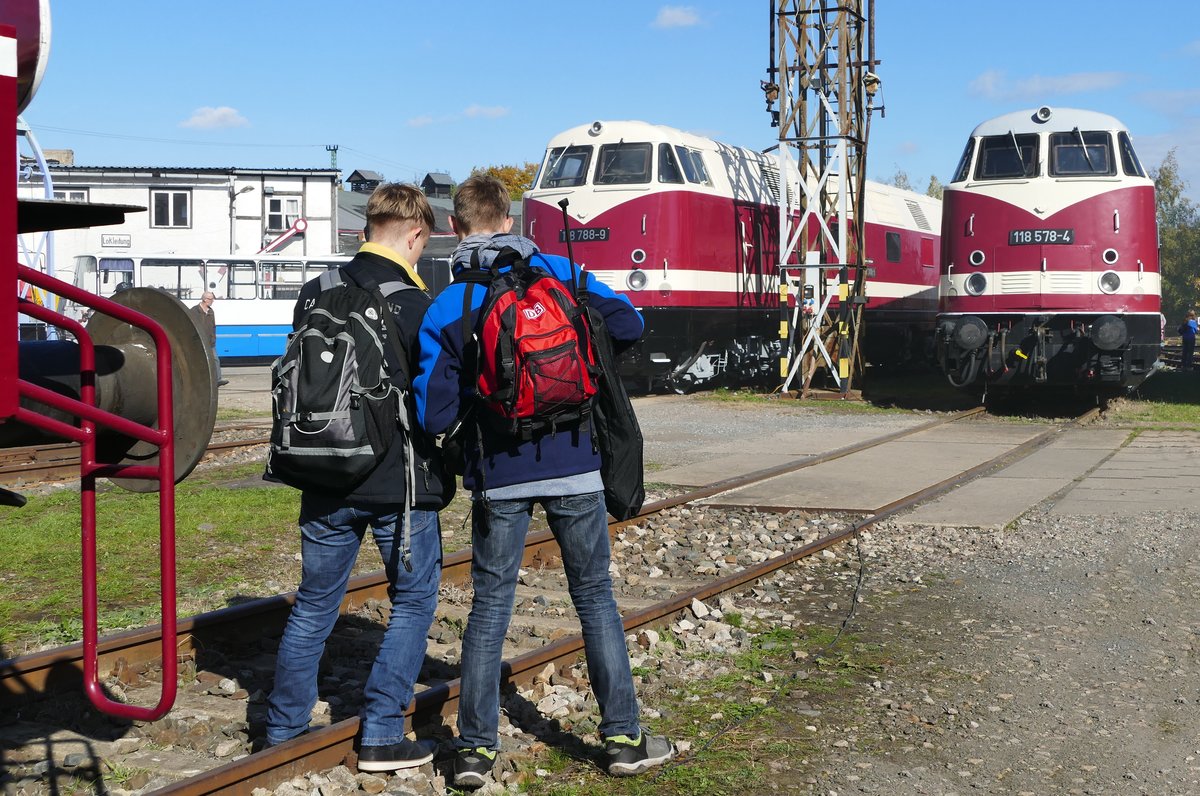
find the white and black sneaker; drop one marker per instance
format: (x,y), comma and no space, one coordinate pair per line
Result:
(471,767)
(627,756)
(395,756)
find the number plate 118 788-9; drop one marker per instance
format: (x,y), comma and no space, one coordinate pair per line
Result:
(584,234)
(1019,237)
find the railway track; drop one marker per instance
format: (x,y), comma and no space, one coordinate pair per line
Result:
(39,464)
(544,639)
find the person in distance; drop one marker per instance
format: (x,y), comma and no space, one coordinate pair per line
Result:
(399,220)
(559,469)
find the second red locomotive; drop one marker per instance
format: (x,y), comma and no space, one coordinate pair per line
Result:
(1050,272)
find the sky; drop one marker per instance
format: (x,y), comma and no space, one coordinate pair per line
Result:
(404,88)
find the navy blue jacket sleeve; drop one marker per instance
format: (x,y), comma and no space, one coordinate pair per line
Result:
(624,322)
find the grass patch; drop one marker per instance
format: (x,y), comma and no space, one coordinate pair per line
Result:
(1170,399)
(223,537)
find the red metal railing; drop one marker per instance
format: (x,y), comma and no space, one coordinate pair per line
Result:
(89,469)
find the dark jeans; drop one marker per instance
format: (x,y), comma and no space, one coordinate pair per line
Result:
(1189,348)
(331,534)
(579,524)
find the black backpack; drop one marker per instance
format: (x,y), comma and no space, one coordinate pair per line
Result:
(335,409)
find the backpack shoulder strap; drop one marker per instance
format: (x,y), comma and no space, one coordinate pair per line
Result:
(330,279)
(365,281)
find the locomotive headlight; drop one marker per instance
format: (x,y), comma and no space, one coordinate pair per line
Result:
(637,279)
(976,258)
(1108,333)
(976,284)
(970,333)
(1110,282)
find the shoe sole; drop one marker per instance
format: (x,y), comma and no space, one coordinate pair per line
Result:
(469,779)
(393,765)
(633,769)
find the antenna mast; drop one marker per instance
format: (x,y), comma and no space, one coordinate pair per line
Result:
(820,91)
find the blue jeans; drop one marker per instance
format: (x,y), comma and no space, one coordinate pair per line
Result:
(498,534)
(331,534)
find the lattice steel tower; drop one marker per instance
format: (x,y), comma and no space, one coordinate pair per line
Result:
(820,92)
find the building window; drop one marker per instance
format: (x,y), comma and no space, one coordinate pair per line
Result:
(171,208)
(72,195)
(282,212)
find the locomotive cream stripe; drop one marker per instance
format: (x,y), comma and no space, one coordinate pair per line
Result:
(725,282)
(1065,283)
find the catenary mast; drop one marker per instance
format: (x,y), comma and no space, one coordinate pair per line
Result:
(820,93)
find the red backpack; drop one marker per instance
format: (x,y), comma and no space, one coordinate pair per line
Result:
(535,368)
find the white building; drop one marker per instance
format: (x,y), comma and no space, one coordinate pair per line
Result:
(201,211)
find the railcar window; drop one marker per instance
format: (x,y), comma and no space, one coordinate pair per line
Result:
(116,273)
(1077,153)
(1007,156)
(623,164)
(964,163)
(668,169)
(1129,158)
(567,167)
(893,247)
(281,280)
(233,279)
(183,279)
(85,272)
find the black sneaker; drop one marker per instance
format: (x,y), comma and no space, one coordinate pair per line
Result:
(629,756)
(393,756)
(472,765)
(222,382)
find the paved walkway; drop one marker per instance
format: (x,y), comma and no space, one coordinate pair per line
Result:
(1088,471)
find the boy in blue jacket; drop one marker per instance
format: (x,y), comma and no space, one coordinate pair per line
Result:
(560,470)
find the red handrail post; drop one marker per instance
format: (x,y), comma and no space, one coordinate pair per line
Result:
(163,437)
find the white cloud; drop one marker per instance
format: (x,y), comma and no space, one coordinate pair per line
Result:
(420,121)
(485,112)
(996,85)
(207,118)
(676,17)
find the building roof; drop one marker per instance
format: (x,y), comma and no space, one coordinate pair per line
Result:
(438,178)
(160,170)
(365,175)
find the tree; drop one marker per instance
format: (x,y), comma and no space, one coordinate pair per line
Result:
(935,188)
(899,179)
(517,179)
(1179,237)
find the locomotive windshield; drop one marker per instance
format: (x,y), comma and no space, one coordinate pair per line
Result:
(964,163)
(693,165)
(623,164)
(1129,159)
(1080,154)
(567,167)
(668,168)
(1007,156)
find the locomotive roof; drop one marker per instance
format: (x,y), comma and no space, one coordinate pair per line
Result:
(633,130)
(1027,121)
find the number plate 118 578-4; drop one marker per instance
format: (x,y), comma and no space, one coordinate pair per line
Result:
(1020,237)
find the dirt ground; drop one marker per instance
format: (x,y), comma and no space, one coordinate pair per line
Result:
(1055,657)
